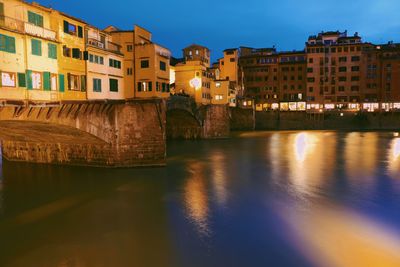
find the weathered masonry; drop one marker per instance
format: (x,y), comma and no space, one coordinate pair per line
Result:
(186,120)
(105,134)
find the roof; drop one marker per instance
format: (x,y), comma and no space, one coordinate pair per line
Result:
(230,50)
(196,45)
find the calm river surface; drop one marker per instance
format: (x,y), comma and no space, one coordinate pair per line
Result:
(258,199)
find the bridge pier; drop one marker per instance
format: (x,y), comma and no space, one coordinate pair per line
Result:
(187,120)
(116,134)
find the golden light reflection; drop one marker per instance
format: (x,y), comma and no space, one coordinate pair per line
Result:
(361,152)
(309,155)
(394,158)
(332,236)
(219,178)
(196,198)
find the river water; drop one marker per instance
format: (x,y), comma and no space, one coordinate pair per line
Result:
(310,198)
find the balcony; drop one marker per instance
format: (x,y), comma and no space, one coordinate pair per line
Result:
(39,31)
(96,43)
(26,27)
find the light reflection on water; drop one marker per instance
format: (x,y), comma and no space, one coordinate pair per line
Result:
(311,198)
(394,158)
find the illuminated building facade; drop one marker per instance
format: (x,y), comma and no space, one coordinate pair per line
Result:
(146,63)
(105,66)
(335,72)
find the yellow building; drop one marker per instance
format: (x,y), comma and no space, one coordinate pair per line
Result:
(105,66)
(28,52)
(146,63)
(228,65)
(71,56)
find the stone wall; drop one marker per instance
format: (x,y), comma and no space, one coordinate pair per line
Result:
(216,123)
(274,120)
(126,134)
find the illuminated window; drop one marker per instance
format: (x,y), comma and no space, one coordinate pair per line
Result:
(73,82)
(8,79)
(36,80)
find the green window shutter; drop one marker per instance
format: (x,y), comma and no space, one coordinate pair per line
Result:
(150,86)
(39,20)
(46,81)
(9,44)
(29,79)
(21,80)
(3,42)
(31,17)
(61,82)
(80,32)
(52,51)
(113,85)
(36,47)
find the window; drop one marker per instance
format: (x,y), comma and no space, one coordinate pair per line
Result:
(129,48)
(66,51)
(35,19)
(129,71)
(114,63)
(8,79)
(36,47)
(311,89)
(53,82)
(113,85)
(21,80)
(355,68)
(342,59)
(219,97)
(310,70)
(355,58)
(232,60)
(73,82)
(150,86)
(341,89)
(7,43)
(354,88)
(96,85)
(76,53)
(342,69)
(163,65)
(310,60)
(342,79)
(52,51)
(311,79)
(355,78)
(36,80)
(144,64)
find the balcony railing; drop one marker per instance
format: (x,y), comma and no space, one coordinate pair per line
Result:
(26,27)
(96,43)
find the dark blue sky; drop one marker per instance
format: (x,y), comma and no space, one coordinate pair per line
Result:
(220,24)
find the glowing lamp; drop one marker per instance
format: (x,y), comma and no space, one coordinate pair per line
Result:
(195,83)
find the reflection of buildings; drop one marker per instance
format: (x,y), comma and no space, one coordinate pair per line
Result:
(360,156)
(196,198)
(394,158)
(219,177)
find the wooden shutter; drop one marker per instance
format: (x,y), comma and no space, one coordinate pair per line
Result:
(85,55)
(150,86)
(3,42)
(66,25)
(21,80)
(61,81)
(80,32)
(46,81)
(83,83)
(29,79)
(10,44)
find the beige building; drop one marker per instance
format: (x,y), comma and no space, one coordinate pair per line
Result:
(28,52)
(146,63)
(105,66)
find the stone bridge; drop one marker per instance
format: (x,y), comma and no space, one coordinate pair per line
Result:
(187,120)
(111,134)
